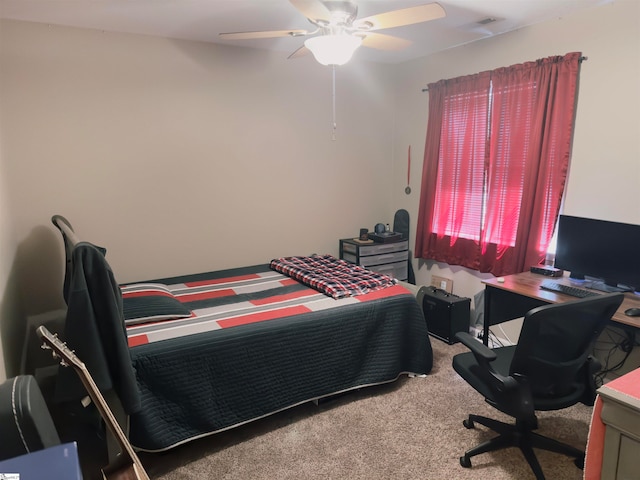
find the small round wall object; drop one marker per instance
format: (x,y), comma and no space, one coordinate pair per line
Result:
(407,190)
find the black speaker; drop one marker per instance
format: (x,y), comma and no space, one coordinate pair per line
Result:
(445,313)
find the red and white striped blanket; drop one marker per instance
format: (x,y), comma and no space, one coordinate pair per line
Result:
(219,303)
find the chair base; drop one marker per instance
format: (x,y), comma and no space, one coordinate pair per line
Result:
(520,435)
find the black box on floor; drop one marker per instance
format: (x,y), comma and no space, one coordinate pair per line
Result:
(445,313)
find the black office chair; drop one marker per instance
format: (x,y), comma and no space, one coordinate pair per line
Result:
(550,368)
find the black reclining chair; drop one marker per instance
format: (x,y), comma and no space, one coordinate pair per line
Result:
(550,368)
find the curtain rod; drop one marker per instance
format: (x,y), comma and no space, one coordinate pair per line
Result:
(581,59)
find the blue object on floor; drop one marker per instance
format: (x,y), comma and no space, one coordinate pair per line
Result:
(59,462)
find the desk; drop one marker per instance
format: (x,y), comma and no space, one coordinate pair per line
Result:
(521,292)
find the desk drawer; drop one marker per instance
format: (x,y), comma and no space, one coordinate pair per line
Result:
(396,270)
(380,248)
(374,249)
(378,259)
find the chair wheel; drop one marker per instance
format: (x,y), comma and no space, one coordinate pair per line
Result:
(465,462)
(468,424)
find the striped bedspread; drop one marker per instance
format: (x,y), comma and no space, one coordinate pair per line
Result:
(254,342)
(261,295)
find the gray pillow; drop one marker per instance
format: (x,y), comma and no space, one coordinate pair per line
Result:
(150,302)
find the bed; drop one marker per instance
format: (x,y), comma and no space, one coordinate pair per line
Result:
(193,355)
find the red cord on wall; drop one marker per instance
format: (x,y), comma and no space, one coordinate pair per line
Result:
(407,190)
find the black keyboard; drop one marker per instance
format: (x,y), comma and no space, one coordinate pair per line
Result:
(566,289)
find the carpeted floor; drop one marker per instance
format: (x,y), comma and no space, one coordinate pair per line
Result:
(410,429)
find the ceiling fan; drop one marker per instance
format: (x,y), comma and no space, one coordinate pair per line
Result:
(339,32)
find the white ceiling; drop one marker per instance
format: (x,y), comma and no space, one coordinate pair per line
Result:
(203,20)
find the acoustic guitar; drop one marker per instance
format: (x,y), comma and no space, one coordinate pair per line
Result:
(127,465)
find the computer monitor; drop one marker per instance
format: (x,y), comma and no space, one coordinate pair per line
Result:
(604,250)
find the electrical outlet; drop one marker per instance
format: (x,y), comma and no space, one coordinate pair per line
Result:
(442,283)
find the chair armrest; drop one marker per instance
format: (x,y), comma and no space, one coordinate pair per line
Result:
(484,356)
(477,348)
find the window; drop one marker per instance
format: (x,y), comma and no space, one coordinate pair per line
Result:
(496,159)
(459,201)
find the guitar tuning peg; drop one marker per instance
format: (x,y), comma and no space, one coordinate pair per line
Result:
(54,355)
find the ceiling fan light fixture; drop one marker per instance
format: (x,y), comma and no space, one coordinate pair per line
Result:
(333,49)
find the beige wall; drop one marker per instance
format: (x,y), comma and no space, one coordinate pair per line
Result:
(605,165)
(9,298)
(181,157)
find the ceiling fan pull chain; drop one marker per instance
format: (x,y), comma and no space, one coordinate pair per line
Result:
(333,134)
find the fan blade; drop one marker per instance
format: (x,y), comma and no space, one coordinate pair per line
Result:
(312,9)
(380,41)
(301,52)
(405,16)
(267,34)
